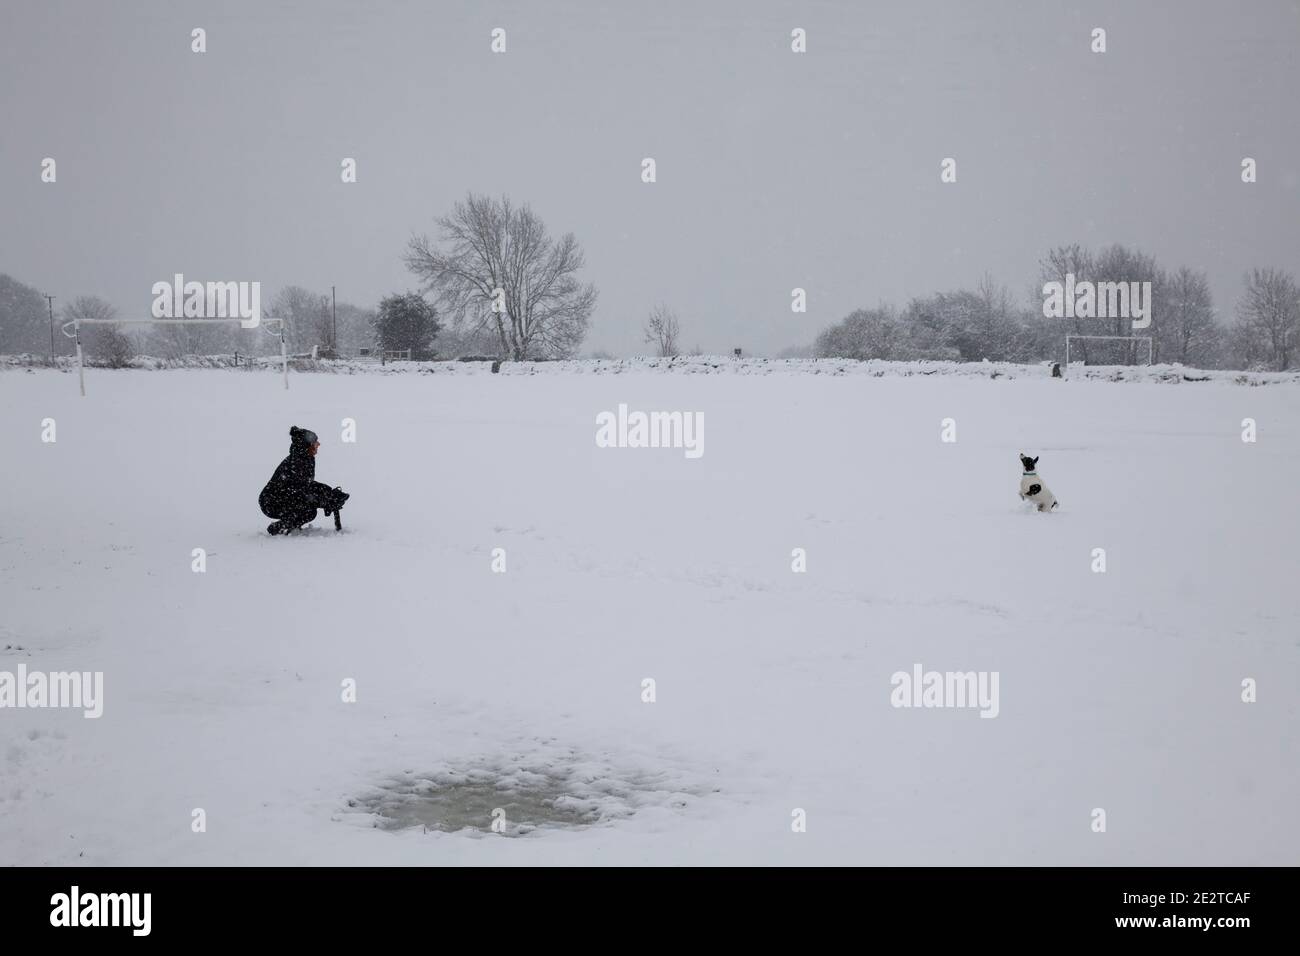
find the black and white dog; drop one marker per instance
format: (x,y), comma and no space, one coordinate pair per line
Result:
(1033,488)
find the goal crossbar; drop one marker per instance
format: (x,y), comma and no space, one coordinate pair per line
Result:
(149,321)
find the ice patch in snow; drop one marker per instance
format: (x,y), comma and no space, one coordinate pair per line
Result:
(519,796)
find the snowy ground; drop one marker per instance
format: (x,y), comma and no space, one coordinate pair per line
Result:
(223,689)
(704,365)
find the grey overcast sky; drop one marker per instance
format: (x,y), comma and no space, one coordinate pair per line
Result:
(775,170)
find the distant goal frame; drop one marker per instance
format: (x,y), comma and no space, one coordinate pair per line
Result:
(76,324)
(1149,339)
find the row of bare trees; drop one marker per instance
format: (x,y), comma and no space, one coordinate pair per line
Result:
(986,323)
(1185,325)
(509,288)
(310,323)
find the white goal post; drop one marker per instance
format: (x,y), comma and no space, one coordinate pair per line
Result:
(76,325)
(1111,338)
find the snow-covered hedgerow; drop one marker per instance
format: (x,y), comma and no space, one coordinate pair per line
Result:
(697,365)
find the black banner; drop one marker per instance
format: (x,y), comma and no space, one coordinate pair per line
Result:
(369,904)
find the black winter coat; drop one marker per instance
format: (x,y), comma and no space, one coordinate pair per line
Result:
(293,487)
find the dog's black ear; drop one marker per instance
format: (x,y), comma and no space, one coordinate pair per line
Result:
(1035,461)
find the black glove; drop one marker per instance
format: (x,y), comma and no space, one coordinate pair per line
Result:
(338,497)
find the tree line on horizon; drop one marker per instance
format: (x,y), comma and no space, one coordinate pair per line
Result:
(495,283)
(986,323)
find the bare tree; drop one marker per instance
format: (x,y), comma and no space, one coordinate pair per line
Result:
(1060,261)
(501,271)
(1066,259)
(998,322)
(108,343)
(662,330)
(1118,263)
(306,314)
(1270,313)
(1188,328)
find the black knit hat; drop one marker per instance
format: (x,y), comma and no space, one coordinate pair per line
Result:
(302,436)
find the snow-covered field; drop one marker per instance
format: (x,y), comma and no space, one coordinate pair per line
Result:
(1173,374)
(223,690)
